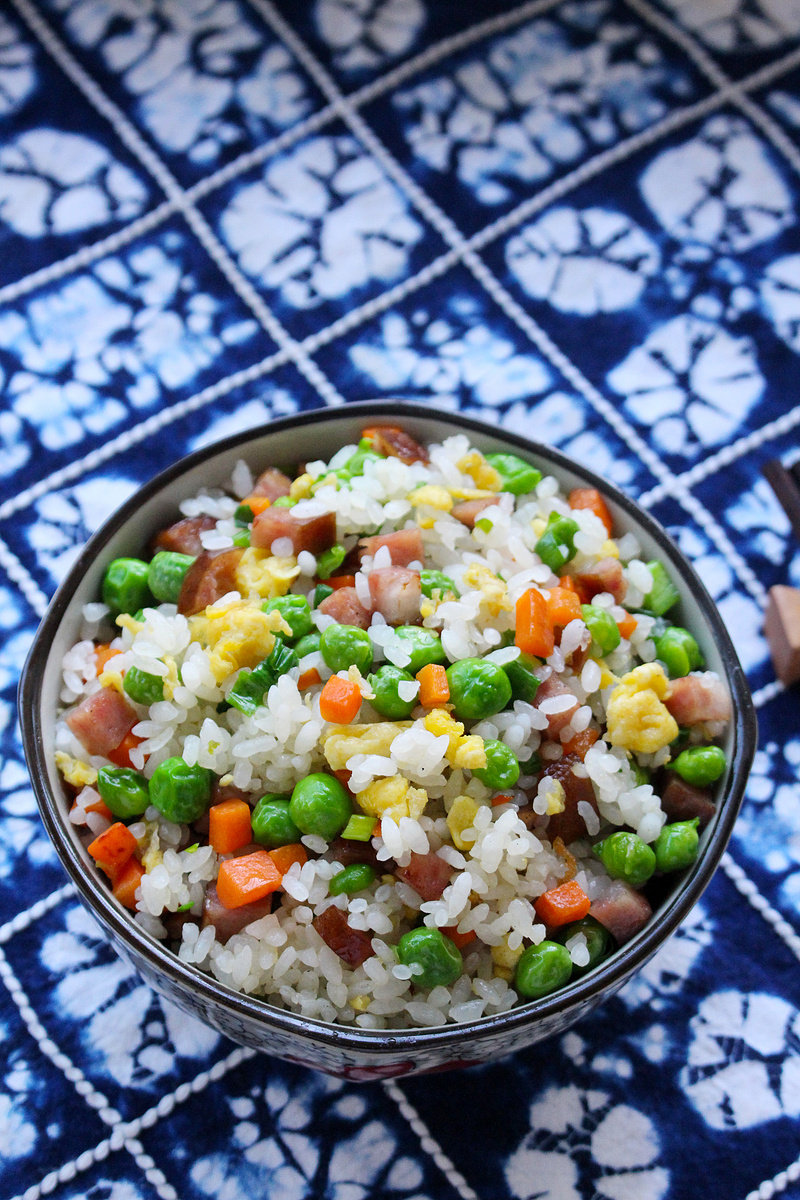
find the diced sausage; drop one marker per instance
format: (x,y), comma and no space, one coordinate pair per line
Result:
(394,442)
(346,608)
(228,921)
(427,874)
(549,689)
(622,910)
(184,536)
(696,699)
(468,511)
(404,545)
(314,533)
(396,593)
(353,946)
(272,483)
(569,824)
(605,576)
(209,578)
(346,851)
(682,801)
(102,720)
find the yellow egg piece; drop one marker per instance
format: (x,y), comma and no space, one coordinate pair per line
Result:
(482,473)
(461,817)
(343,741)
(78,773)
(393,797)
(636,716)
(237,634)
(432,495)
(262,576)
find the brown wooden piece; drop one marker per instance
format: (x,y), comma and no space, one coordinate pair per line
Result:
(782,629)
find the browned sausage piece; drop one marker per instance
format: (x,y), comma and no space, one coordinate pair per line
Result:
(346,608)
(622,910)
(468,511)
(605,576)
(314,534)
(427,874)
(569,824)
(228,921)
(404,545)
(682,801)
(548,689)
(209,578)
(272,483)
(394,442)
(184,536)
(695,699)
(102,720)
(352,945)
(396,593)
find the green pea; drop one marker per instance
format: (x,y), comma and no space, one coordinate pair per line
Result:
(320,805)
(329,560)
(308,644)
(284,502)
(676,845)
(124,791)
(678,651)
(478,688)
(296,612)
(181,793)
(436,581)
(344,646)
(424,646)
(542,969)
(352,879)
(125,586)
(625,856)
(142,687)
(355,463)
(166,574)
(385,683)
(321,592)
(556,545)
(502,766)
(359,828)
(663,594)
(432,950)
(522,676)
(599,942)
(700,765)
(602,626)
(518,476)
(272,823)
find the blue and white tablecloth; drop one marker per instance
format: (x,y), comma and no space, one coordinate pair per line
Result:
(576,218)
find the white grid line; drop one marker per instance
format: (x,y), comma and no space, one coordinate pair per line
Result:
(428,1143)
(745,886)
(21,576)
(36,911)
(778,1183)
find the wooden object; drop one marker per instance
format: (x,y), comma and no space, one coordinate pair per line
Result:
(782,629)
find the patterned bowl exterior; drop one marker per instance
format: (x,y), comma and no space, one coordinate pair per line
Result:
(354,1053)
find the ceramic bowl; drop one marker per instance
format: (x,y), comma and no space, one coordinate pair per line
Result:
(351,1052)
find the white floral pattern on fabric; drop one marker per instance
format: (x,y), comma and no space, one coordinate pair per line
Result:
(364,34)
(17,69)
(66,519)
(730,25)
(56,182)
(323,221)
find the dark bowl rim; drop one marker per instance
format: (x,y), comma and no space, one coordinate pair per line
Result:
(604,978)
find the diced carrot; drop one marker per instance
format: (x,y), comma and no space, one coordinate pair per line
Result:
(344,776)
(579,743)
(339,700)
(121,756)
(501,799)
(563,606)
(563,904)
(309,678)
(567,582)
(249,877)
(534,633)
(229,825)
(459,939)
(112,849)
(286,856)
(341,581)
(627,625)
(99,807)
(102,654)
(257,504)
(433,686)
(589,497)
(127,881)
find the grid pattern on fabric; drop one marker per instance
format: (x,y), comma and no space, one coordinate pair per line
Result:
(573,218)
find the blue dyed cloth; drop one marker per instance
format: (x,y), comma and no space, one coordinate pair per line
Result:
(577,220)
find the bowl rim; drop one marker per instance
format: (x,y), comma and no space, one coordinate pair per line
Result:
(580,993)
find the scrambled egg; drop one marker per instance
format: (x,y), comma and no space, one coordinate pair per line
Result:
(79,774)
(505,959)
(609,549)
(237,635)
(462,816)
(343,741)
(464,750)
(494,593)
(432,495)
(480,471)
(301,487)
(261,575)
(638,720)
(393,797)
(112,679)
